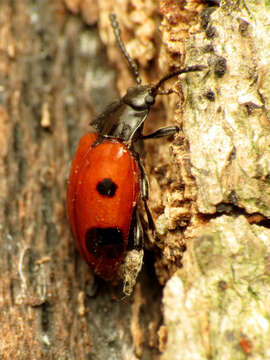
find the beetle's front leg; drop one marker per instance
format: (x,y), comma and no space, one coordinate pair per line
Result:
(166,131)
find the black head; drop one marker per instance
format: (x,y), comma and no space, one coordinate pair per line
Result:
(139,97)
(142,97)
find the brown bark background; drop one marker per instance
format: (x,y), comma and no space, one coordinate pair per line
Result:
(55,75)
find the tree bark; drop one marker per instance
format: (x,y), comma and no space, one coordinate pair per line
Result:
(209,185)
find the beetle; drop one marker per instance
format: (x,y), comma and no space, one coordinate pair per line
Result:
(107,178)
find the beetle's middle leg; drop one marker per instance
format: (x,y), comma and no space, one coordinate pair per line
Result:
(166,131)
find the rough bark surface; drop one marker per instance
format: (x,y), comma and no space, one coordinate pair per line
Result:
(209,185)
(218,305)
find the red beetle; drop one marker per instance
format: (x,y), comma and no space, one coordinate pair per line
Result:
(107,178)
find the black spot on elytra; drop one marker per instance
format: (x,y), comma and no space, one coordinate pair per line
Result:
(106,187)
(104,242)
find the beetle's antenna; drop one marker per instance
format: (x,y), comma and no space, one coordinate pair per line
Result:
(155,88)
(117,32)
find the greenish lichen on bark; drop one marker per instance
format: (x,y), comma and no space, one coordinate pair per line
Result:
(228,133)
(221,300)
(217,306)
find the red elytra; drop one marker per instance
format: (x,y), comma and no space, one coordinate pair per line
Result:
(102,192)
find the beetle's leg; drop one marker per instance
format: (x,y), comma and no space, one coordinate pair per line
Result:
(166,131)
(144,195)
(136,234)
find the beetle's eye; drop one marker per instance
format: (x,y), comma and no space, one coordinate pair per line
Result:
(149,99)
